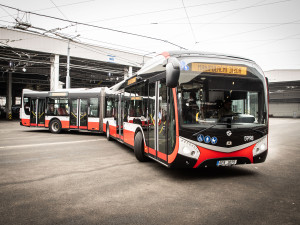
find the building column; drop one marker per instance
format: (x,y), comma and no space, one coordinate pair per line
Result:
(54,73)
(9,96)
(130,71)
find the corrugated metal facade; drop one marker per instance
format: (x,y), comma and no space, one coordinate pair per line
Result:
(284,88)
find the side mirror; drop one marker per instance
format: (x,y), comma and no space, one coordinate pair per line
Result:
(172,72)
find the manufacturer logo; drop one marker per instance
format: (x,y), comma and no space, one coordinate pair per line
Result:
(229,133)
(248,138)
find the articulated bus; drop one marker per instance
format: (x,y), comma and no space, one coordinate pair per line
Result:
(182,109)
(192,109)
(78,109)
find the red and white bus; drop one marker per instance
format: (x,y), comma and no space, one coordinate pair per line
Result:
(192,109)
(182,109)
(79,109)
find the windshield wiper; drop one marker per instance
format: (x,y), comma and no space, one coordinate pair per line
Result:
(258,131)
(204,129)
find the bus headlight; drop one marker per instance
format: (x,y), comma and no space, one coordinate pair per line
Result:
(261,146)
(188,149)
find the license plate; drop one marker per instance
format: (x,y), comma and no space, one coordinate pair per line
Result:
(226,162)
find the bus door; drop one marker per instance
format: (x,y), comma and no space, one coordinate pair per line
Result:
(74,113)
(151,128)
(121,115)
(33,116)
(162,112)
(78,115)
(41,112)
(157,114)
(83,112)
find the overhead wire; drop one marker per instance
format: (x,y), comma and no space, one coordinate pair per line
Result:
(162,10)
(75,3)
(95,26)
(250,31)
(192,30)
(223,11)
(59,10)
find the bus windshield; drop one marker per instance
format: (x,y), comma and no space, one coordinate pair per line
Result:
(207,99)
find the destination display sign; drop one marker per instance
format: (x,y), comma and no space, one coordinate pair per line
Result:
(131,81)
(216,68)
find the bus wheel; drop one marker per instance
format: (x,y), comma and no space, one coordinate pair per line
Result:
(107,132)
(55,126)
(139,147)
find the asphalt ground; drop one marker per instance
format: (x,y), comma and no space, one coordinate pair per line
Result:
(81,178)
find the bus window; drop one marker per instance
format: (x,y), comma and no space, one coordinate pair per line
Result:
(26,106)
(57,107)
(94,109)
(109,103)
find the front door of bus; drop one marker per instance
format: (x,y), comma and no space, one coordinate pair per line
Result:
(157,114)
(41,112)
(37,112)
(78,115)
(33,117)
(121,116)
(162,108)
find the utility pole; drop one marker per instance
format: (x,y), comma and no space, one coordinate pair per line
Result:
(68,80)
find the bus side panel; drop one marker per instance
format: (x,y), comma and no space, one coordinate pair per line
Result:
(64,120)
(93,123)
(113,128)
(129,131)
(25,122)
(109,120)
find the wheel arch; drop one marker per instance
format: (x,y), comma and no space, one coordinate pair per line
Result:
(140,129)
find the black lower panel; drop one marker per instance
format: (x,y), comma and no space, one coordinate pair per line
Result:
(260,158)
(213,162)
(183,162)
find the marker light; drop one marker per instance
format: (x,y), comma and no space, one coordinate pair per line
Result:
(261,146)
(188,149)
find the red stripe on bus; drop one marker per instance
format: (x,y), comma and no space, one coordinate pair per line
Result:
(93,125)
(152,151)
(46,123)
(161,155)
(113,131)
(26,122)
(83,127)
(33,124)
(206,154)
(41,125)
(172,157)
(129,137)
(73,126)
(104,127)
(65,124)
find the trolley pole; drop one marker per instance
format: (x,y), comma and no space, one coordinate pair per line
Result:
(68,80)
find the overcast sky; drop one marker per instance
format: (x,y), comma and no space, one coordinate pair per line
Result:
(267,31)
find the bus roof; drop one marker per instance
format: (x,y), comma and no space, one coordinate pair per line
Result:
(187,53)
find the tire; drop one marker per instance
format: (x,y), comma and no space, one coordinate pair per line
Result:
(107,132)
(55,126)
(139,148)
